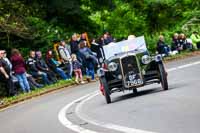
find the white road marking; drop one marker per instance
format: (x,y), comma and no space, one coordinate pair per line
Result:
(183,66)
(62,114)
(103,124)
(62,117)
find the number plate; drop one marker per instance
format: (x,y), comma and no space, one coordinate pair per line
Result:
(133,79)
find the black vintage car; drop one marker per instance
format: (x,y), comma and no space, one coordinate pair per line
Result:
(127,65)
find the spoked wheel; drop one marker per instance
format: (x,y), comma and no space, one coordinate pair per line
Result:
(106,90)
(163,76)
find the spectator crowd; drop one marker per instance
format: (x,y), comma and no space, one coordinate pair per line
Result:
(179,43)
(76,58)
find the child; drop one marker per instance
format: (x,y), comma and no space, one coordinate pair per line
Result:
(77,69)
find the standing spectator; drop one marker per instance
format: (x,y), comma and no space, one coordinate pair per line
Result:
(31,64)
(66,58)
(5,76)
(162,48)
(95,47)
(195,40)
(42,66)
(6,59)
(77,69)
(19,70)
(53,64)
(107,38)
(74,44)
(90,70)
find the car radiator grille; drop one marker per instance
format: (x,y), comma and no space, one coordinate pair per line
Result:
(130,71)
(129,64)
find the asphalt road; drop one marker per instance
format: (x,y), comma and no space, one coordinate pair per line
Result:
(151,110)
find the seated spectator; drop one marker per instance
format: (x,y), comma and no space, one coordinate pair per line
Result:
(19,69)
(183,41)
(77,70)
(34,71)
(87,53)
(162,48)
(54,65)
(176,46)
(195,40)
(66,58)
(42,66)
(5,76)
(33,84)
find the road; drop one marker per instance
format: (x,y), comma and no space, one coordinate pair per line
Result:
(83,109)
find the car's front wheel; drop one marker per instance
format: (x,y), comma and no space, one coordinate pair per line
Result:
(106,90)
(163,76)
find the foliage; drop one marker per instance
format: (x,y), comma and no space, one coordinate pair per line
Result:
(34,24)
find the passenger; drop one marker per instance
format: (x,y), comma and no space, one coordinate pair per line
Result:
(162,48)
(34,71)
(19,69)
(195,37)
(54,65)
(42,66)
(5,76)
(77,70)
(66,58)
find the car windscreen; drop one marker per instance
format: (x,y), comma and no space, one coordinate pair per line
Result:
(112,49)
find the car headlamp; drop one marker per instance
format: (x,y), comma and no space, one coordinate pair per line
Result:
(158,58)
(112,66)
(100,72)
(100,60)
(146,59)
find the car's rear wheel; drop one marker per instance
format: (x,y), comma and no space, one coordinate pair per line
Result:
(106,90)
(163,76)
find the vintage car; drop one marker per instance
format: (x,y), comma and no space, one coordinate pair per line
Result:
(127,65)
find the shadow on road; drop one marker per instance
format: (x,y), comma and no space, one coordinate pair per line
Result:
(145,92)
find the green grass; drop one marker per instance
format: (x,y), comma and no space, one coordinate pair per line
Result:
(6,101)
(182,55)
